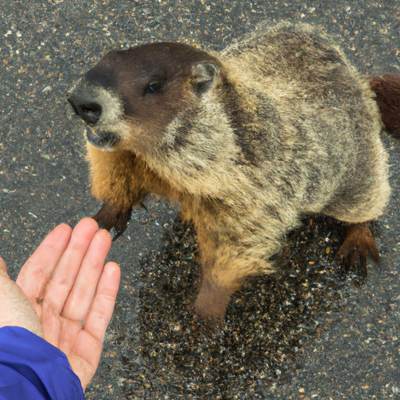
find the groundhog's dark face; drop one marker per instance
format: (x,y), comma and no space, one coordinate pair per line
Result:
(130,97)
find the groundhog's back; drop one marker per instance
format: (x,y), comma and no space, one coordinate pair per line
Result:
(324,104)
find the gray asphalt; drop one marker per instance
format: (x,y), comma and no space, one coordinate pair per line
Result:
(311,331)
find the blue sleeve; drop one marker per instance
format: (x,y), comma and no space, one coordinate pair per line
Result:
(33,369)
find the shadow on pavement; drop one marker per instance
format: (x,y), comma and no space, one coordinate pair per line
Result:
(266,324)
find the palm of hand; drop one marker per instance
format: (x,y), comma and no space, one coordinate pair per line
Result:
(73,292)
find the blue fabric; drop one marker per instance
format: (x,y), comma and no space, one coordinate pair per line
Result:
(33,369)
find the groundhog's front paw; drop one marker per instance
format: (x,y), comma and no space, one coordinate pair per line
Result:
(110,217)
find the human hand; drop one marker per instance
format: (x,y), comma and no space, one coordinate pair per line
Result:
(73,292)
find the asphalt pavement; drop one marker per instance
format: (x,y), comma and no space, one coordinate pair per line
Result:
(311,331)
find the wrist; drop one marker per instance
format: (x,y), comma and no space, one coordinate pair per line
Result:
(16,309)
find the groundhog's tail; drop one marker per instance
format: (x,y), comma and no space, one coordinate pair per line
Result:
(387,89)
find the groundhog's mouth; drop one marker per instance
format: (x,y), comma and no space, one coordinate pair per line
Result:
(104,140)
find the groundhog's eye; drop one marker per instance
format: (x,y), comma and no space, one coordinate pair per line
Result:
(153,87)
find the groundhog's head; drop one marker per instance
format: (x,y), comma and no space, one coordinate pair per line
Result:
(131,97)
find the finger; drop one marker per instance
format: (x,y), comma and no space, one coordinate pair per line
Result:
(84,289)
(37,270)
(3,268)
(67,269)
(89,343)
(102,308)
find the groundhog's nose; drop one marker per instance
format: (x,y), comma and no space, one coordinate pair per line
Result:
(89,111)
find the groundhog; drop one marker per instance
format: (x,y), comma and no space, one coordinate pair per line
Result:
(247,141)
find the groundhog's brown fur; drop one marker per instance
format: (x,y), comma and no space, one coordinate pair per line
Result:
(246,141)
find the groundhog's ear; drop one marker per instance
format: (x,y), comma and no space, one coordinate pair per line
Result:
(204,76)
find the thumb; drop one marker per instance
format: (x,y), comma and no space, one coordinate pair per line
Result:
(3,268)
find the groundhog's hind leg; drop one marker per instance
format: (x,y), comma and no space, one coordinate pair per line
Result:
(358,244)
(363,198)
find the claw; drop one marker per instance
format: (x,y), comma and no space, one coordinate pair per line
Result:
(117,235)
(143,206)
